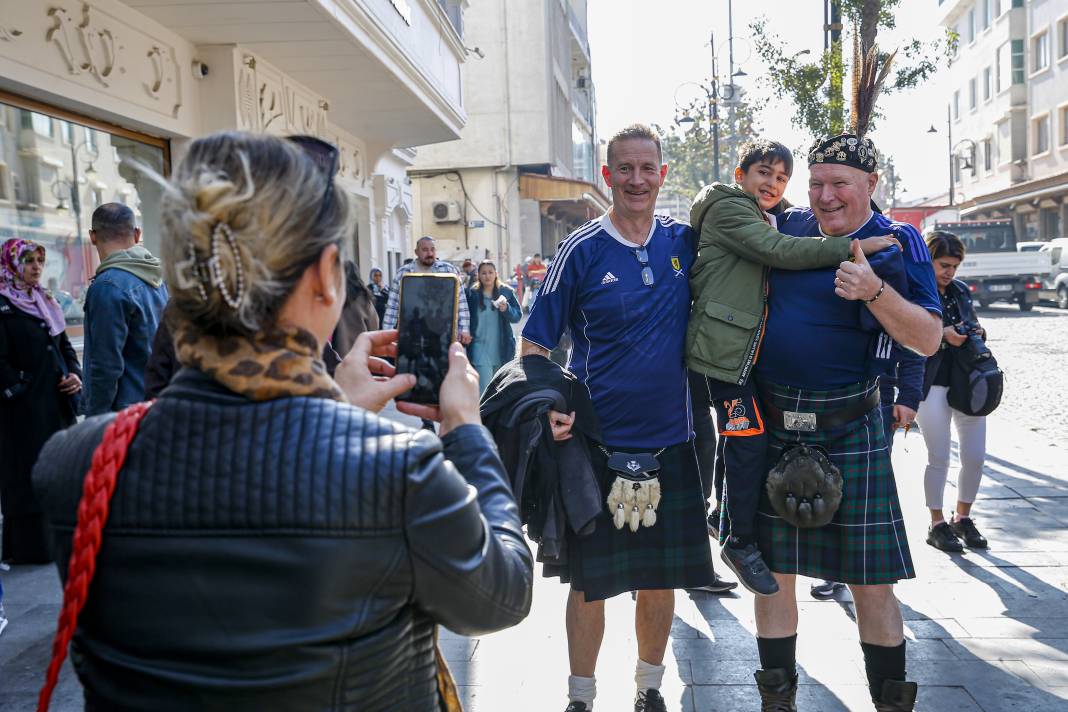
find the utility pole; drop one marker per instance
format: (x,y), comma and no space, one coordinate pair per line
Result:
(713,109)
(949,136)
(832,41)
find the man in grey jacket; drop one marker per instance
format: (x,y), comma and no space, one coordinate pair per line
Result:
(122,311)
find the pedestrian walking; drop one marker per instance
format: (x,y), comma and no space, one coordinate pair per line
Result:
(936,416)
(380,293)
(123,306)
(272,542)
(494,308)
(40,380)
(620,284)
(426,260)
(358,315)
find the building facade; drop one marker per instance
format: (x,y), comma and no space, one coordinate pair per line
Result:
(91,90)
(524,172)
(1007,88)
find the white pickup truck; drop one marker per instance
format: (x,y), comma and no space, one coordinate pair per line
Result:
(992,268)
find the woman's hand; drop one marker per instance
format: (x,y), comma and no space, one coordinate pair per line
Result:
(70,384)
(457,399)
(952,337)
(366,379)
(561,424)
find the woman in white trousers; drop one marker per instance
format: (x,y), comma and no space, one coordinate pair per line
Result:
(935,416)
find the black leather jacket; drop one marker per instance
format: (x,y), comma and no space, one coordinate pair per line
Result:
(293,554)
(957,307)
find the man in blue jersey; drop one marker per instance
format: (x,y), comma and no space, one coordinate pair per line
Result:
(620,284)
(828,334)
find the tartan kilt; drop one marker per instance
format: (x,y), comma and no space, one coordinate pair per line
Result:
(673,553)
(865,543)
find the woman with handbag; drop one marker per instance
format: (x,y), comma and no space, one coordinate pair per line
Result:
(494,308)
(935,414)
(40,379)
(272,543)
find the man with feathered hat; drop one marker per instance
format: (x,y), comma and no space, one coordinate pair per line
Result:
(829,333)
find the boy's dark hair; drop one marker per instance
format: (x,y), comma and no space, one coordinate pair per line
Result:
(944,244)
(636,131)
(761,150)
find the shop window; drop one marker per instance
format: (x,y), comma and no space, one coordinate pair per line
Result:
(52,203)
(42,125)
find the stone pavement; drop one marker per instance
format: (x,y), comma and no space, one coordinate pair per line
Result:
(987,630)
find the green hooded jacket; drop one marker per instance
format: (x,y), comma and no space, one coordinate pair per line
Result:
(729,280)
(137,261)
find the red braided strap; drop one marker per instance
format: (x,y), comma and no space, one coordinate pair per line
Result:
(100,482)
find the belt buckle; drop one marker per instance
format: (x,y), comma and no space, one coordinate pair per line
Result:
(799,422)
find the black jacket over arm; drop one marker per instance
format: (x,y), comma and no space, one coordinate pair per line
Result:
(293,554)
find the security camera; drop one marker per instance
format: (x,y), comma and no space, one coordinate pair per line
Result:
(200,70)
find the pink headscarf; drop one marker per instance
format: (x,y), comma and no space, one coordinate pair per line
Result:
(33,300)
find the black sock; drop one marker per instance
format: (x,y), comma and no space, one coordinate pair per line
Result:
(778,653)
(883,663)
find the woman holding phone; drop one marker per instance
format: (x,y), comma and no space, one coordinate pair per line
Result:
(494,308)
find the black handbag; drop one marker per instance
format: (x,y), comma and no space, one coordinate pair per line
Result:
(975,381)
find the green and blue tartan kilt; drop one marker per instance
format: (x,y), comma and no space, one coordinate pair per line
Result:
(865,543)
(673,553)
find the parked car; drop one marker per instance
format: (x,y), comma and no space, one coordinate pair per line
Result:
(993,268)
(1055,282)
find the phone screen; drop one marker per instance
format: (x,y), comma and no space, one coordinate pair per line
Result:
(427,322)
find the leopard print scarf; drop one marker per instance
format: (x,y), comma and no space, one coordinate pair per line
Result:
(274,363)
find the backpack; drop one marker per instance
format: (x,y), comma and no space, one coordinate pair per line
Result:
(975,381)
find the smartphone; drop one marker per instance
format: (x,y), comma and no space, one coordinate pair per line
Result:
(428,322)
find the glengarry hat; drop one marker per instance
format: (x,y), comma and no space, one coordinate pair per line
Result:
(845,150)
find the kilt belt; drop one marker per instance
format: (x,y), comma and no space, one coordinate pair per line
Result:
(806,422)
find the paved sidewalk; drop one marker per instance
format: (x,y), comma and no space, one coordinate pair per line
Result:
(987,630)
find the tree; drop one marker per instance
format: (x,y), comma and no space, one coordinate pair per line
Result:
(816,87)
(688,152)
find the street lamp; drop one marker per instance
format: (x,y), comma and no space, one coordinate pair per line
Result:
(969,162)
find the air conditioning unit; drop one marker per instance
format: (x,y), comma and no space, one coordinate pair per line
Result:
(446,211)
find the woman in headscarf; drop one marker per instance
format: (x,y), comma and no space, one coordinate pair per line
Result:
(39,379)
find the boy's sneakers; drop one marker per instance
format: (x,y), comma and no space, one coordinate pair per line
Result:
(749,565)
(825,590)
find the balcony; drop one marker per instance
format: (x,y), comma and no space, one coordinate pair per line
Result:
(578,28)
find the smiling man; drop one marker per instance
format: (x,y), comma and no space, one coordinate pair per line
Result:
(818,379)
(620,284)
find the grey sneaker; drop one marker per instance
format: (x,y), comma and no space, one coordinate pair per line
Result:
(718,585)
(825,590)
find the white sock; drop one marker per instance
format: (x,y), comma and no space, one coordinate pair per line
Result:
(648,676)
(581,689)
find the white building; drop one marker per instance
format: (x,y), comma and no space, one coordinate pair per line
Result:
(524,172)
(93,83)
(1008,104)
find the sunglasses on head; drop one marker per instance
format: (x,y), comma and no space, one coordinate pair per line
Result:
(325,156)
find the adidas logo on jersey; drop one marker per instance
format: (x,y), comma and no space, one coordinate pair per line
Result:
(609,278)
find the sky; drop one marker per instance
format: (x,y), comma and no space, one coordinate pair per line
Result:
(642,51)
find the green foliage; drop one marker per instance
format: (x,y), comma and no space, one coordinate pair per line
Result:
(816,88)
(688,152)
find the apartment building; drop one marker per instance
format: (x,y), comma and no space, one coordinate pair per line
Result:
(89,87)
(1007,89)
(524,172)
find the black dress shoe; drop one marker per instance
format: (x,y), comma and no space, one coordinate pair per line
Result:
(649,701)
(749,565)
(577,706)
(778,690)
(941,536)
(965,529)
(897,696)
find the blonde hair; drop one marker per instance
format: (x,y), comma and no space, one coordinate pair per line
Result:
(274,200)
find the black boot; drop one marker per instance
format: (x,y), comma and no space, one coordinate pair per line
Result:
(897,696)
(778,690)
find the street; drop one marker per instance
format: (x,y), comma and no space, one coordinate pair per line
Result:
(987,630)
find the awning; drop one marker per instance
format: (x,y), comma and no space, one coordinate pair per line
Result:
(1022,193)
(565,199)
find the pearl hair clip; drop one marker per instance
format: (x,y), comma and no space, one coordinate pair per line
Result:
(194,273)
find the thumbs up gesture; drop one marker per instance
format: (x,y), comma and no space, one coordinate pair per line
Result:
(855,279)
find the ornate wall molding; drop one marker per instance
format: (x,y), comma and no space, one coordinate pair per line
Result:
(85,46)
(9,34)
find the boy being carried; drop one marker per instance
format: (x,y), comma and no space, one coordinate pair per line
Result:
(738,243)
